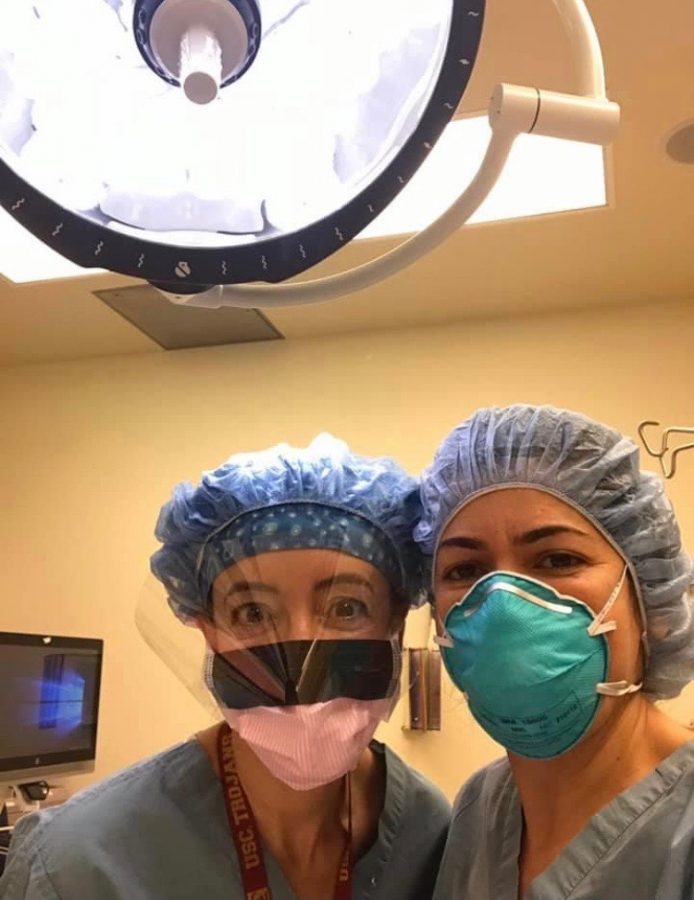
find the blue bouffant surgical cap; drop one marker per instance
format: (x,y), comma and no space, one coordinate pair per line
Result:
(596,470)
(322,496)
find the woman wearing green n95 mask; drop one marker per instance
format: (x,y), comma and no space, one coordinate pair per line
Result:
(562,594)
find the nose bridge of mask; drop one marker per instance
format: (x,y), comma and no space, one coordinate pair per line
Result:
(528,590)
(544,596)
(560,608)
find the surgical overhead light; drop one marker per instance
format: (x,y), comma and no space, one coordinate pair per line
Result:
(204,145)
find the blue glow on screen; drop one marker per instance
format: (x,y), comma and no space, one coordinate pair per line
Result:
(62,693)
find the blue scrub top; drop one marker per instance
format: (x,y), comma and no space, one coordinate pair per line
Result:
(158,831)
(638,847)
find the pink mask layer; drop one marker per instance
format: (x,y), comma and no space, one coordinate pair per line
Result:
(311,745)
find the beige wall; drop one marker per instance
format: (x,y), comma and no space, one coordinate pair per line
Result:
(90,450)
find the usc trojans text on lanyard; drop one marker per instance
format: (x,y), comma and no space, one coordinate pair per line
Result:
(245,831)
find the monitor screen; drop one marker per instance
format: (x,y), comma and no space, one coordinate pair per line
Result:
(49,701)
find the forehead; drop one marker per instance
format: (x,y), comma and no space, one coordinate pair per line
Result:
(304,567)
(514,511)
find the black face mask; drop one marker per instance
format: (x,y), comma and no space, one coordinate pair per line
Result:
(293,673)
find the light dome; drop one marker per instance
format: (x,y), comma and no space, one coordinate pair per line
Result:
(209,142)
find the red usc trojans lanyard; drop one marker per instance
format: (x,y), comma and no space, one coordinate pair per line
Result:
(245,832)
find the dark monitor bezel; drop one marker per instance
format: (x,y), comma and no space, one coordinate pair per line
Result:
(60,642)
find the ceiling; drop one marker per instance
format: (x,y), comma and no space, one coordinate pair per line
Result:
(638,250)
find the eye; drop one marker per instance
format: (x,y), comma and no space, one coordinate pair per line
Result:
(348,608)
(560,560)
(463,572)
(249,615)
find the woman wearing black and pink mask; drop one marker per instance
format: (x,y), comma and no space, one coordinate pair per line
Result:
(298,568)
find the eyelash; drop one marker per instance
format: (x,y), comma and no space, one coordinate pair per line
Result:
(363,607)
(479,571)
(576,560)
(449,574)
(234,613)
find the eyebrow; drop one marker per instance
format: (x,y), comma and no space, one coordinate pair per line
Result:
(346,578)
(246,586)
(539,534)
(530,537)
(467,543)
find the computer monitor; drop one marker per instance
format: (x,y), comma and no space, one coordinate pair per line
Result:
(49,705)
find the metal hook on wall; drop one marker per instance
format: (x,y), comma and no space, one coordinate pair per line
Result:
(668,466)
